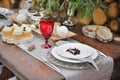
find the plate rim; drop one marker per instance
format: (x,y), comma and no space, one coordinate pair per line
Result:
(71,55)
(93,56)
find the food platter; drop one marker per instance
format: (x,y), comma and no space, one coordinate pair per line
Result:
(11,40)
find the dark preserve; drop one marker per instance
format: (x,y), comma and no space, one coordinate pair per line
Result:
(73,51)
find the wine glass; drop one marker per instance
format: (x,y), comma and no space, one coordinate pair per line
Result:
(46,28)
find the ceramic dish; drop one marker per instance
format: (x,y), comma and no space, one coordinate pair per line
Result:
(84,51)
(54,54)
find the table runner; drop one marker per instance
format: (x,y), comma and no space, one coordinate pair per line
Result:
(105,64)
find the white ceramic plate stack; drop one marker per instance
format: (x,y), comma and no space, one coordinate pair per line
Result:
(60,53)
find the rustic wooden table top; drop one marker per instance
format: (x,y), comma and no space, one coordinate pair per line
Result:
(25,66)
(28,68)
(112,49)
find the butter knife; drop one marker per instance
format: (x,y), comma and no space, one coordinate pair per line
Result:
(87,59)
(102,53)
(50,64)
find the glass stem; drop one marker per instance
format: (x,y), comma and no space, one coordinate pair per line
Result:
(46,41)
(69,18)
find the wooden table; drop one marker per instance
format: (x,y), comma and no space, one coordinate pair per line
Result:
(25,66)
(28,68)
(112,49)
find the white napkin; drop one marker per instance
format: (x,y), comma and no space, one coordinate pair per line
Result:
(5,11)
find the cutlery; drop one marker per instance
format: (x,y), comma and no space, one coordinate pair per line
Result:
(50,64)
(102,54)
(87,59)
(92,63)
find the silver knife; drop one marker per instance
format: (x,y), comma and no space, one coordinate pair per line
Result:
(87,59)
(50,64)
(102,53)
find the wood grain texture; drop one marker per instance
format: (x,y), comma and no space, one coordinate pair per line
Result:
(25,66)
(5,73)
(111,49)
(56,37)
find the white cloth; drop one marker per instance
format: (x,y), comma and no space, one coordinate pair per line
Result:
(105,64)
(5,11)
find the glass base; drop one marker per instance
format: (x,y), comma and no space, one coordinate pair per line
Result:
(68,23)
(46,46)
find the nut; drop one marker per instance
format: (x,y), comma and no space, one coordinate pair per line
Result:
(31,47)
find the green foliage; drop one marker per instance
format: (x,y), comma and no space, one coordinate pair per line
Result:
(50,5)
(85,7)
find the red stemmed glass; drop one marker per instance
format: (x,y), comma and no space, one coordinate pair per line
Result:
(46,29)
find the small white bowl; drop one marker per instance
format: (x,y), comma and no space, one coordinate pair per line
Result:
(31,13)
(21,17)
(35,18)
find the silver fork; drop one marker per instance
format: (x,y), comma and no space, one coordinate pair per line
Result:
(50,64)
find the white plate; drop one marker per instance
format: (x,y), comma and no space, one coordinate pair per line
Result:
(35,18)
(54,54)
(85,51)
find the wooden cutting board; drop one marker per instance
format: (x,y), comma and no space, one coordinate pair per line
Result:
(56,37)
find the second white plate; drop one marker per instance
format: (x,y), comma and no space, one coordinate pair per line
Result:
(54,54)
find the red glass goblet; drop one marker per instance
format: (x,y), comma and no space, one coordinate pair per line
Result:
(46,28)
